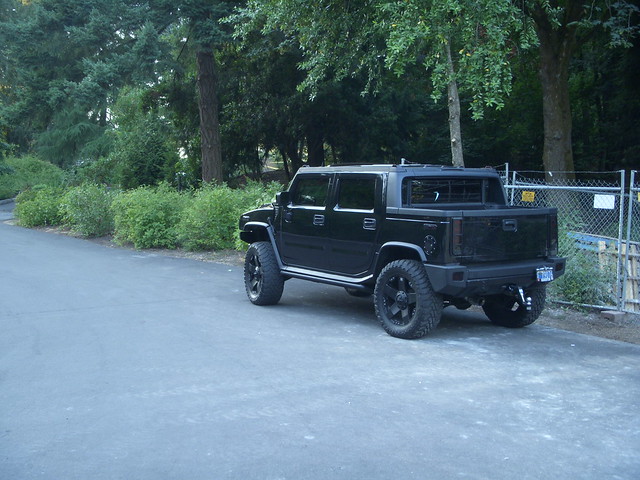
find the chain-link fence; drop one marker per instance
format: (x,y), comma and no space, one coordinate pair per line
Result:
(599,226)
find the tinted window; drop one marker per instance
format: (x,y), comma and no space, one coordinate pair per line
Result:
(423,191)
(311,191)
(357,193)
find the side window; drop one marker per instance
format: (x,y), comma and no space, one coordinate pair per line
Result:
(311,191)
(357,193)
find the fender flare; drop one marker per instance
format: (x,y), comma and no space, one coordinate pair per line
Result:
(251,227)
(403,245)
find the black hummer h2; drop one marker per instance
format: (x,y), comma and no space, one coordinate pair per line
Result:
(417,237)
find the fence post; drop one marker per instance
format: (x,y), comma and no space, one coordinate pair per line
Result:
(619,286)
(625,279)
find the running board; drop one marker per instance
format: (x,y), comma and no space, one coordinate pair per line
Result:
(328,278)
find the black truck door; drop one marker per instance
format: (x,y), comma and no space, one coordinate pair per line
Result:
(303,236)
(355,218)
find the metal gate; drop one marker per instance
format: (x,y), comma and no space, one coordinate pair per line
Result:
(599,230)
(631,274)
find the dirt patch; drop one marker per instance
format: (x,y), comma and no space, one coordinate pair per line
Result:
(624,328)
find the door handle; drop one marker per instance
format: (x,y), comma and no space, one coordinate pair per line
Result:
(318,220)
(288,216)
(510,225)
(369,224)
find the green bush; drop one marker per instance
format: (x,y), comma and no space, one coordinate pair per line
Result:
(211,222)
(40,206)
(585,281)
(87,210)
(208,223)
(148,216)
(22,173)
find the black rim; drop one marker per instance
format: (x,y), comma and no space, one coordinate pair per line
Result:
(254,274)
(399,300)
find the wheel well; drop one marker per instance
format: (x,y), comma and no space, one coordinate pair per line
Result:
(391,253)
(255,235)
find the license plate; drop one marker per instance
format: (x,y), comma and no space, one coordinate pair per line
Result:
(544,274)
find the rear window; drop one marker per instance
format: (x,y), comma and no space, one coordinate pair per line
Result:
(420,192)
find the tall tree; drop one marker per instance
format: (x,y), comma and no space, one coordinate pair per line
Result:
(462,43)
(206,33)
(562,27)
(65,61)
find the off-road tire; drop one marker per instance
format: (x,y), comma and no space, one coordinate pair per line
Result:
(404,300)
(262,279)
(505,311)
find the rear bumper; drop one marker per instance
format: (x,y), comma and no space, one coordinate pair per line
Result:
(487,279)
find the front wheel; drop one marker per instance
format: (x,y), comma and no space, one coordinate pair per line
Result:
(505,311)
(262,279)
(405,302)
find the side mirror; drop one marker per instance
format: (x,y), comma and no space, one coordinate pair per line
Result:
(282,198)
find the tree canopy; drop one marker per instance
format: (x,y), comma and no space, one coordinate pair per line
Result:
(542,84)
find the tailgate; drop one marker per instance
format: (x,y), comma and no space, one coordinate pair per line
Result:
(517,234)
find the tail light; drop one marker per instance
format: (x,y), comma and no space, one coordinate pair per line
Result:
(457,236)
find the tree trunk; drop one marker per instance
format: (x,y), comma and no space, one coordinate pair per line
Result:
(453,98)
(209,117)
(315,147)
(557,44)
(557,155)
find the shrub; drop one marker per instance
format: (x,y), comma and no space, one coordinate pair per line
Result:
(585,281)
(40,206)
(147,216)
(87,210)
(208,223)
(19,174)
(211,222)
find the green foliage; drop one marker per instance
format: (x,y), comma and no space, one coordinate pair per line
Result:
(39,207)
(21,173)
(208,222)
(102,171)
(143,151)
(211,221)
(87,210)
(64,61)
(70,133)
(148,216)
(481,40)
(339,40)
(585,281)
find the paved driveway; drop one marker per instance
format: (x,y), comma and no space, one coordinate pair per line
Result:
(116,364)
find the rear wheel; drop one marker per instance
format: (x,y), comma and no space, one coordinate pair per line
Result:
(405,302)
(262,279)
(504,310)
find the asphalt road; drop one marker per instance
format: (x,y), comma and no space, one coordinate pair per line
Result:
(117,364)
